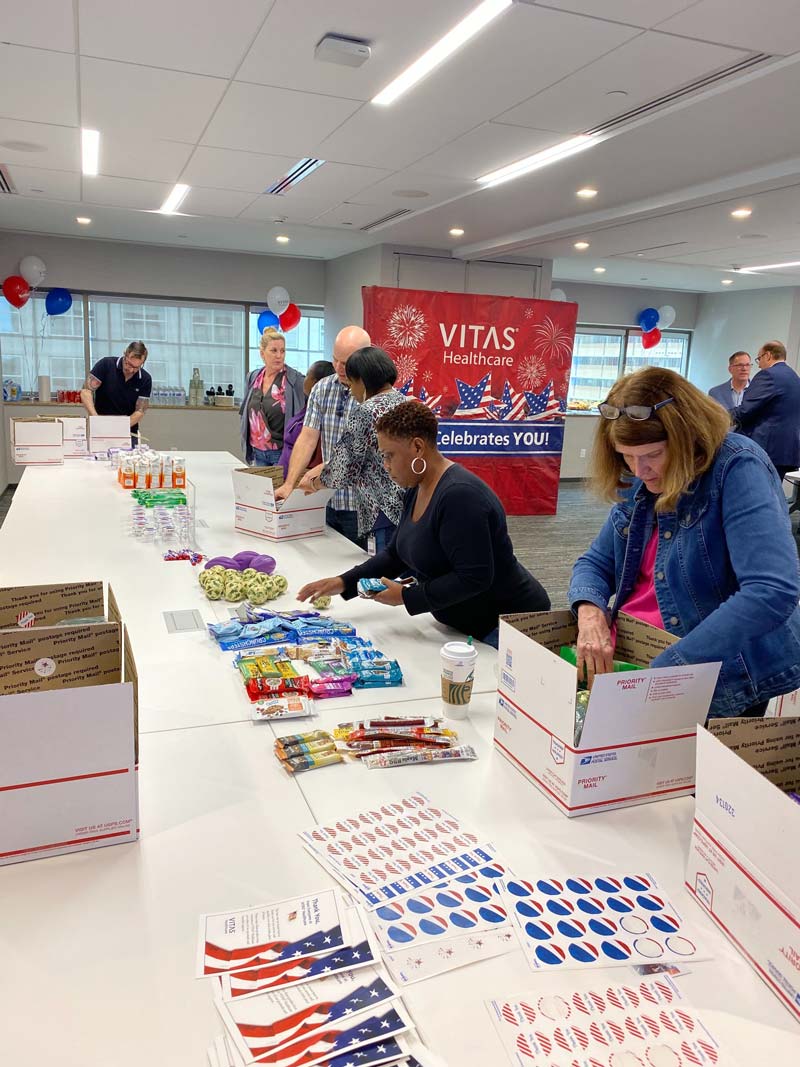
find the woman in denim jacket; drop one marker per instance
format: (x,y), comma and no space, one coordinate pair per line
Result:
(699,543)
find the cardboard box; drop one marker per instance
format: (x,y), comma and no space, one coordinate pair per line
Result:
(638,739)
(785,706)
(68,722)
(76,443)
(37,442)
(257,512)
(744,861)
(109,431)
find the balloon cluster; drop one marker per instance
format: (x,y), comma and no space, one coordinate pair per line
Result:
(649,321)
(17,288)
(281,314)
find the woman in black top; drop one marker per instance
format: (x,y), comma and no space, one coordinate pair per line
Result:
(452,538)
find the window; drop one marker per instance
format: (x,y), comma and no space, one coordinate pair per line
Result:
(213,326)
(305,344)
(33,343)
(144,320)
(604,353)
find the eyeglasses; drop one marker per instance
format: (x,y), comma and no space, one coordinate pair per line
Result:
(637,412)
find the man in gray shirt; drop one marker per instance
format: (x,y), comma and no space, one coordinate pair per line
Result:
(730,393)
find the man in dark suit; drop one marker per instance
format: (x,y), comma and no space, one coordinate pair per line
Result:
(770,410)
(731,393)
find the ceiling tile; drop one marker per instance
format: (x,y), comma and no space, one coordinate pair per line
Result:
(644,13)
(356,215)
(438,187)
(769,26)
(267,208)
(144,158)
(397,34)
(119,98)
(645,68)
(179,35)
(23,74)
(339,181)
(125,192)
(260,116)
(59,146)
(45,24)
(488,147)
(226,168)
(519,54)
(48,184)
(223,202)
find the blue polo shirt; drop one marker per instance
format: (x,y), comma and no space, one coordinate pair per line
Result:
(115,396)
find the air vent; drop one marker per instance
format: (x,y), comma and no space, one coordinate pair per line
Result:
(6,181)
(679,94)
(386,219)
(298,172)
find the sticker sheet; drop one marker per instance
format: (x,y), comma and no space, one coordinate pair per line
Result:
(603,921)
(389,852)
(426,961)
(248,938)
(645,1024)
(287,973)
(266,1023)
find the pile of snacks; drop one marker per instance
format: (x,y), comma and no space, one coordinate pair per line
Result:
(394,741)
(245,576)
(570,654)
(305,752)
(258,627)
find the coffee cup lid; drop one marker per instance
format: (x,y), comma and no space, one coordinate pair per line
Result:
(459,650)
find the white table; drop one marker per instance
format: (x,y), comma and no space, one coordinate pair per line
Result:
(98,947)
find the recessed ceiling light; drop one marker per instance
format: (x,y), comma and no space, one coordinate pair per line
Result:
(742,213)
(538,160)
(83,220)
(586,194)
(617,92)
(581,245)
(461,33)
(90,151)
(727,281)
(599,270)
(174,200)
(640,253)
(456,231)
(282,239)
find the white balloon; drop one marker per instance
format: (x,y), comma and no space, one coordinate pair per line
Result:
(278,300)
(558,294)
(33,270)
(666,316)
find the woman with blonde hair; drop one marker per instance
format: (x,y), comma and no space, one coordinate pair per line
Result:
(274,394)
(698,543)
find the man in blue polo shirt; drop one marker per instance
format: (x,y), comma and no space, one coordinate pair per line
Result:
(119,386)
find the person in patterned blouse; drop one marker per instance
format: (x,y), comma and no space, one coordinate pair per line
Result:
(355,460)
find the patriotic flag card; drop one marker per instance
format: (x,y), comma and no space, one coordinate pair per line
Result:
(608,1026)
(264,1024)
(293,929)
(238,985)
(397,1051)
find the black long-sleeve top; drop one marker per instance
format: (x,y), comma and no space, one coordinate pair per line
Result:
(461,555)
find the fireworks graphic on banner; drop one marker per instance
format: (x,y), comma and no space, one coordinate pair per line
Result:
(407,326)
(406,366)
(532,372)
(529,313)
(427,377)
(552,341)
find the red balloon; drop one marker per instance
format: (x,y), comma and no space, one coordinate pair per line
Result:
(651,338)
(290,318)
(16,290)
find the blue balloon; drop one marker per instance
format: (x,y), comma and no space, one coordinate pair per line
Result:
(268,318)
(648,319)
(58,301)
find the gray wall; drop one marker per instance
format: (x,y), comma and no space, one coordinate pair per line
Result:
(619,305)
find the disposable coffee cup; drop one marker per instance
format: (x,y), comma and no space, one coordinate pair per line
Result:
(458,672)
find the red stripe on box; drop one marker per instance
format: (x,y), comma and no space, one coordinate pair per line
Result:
(59,781)
(748,875)
(605,748)
(527,770)
(753,963)
(273,537)
(277,511)
(64,844)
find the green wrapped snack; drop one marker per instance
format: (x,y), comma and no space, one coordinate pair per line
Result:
(214,588)
(321,603)
(249,573)
(280,583)
(570,654)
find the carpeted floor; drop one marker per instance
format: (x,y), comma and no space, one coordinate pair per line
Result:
(5,502)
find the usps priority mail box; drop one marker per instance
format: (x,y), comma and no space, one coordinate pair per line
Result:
(76,441)
(109,431)
(744,859)
(37,442)
(258,513)
(638,738)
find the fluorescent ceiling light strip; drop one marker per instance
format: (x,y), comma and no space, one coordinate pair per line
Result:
(769,266)
(538,160)
(174,200)
(459,35)
(298,173)
(90,151)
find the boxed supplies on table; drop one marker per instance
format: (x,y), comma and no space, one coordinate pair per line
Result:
(637,742)
(109,431)
(68,722)
(36,442)
(744,864)
(258,513)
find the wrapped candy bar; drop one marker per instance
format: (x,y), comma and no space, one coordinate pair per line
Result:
(405,757)
(321,688)
(274,708)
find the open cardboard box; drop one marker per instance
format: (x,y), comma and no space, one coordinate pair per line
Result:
(75,436)
(744,856)
(37,442)
(258,513)
(108,431)
(638,739)
(68,722)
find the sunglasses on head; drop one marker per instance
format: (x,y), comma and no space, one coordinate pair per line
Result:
(637,412)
